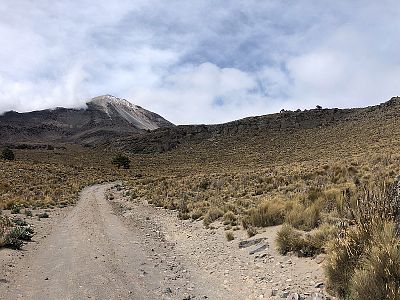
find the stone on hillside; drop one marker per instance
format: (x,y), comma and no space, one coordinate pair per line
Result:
(258,249)
(248,243)
(317,296)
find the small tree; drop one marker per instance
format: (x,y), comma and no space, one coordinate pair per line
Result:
(121,160)
(7,154)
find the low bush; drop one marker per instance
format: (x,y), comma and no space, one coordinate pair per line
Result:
(183,216)
(212,215)
(12,241)
(121,160)
(288,239)
(20,222)
(229,236)
(364,259)
(14,237)
(15,209)
(251,231)
(268,213)
(7,154)
(378,274)
(5,225)
(229,218)
(310,244)
(196,214)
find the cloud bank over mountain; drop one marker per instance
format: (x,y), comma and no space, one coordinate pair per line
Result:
(199,61)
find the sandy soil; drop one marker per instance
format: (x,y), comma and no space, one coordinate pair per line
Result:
(113,248)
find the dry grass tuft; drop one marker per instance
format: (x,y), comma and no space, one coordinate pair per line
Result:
(291,240)
(364,258)
(212,215)
(229,236)
(378,274)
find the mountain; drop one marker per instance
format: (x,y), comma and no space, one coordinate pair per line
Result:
(105,118)
(118,109)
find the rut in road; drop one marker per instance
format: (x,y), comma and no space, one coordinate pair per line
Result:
(92,254)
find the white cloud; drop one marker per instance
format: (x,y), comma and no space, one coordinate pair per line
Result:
(199,61)
(192,93)
(42,94)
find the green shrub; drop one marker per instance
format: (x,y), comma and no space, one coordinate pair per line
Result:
(22,233)
(121,160)
(12,242)
(20,222)
(15,237)
(7,154)
(15,209)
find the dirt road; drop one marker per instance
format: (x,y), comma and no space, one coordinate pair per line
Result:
(120,249)
(90,254)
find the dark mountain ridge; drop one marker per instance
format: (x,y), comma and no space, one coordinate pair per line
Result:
(104,119)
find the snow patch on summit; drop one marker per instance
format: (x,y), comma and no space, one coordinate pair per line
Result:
(104,101)
(134,114)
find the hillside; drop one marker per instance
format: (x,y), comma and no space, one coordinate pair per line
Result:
(281,138)
(104,118)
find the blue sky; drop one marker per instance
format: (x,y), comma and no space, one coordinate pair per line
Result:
(199,61)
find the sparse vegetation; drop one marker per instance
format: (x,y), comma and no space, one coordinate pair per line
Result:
(229,218)
(14,235)
(43,179)
(20,222)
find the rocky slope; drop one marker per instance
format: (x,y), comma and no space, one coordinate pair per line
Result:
(105,118)
(266,130)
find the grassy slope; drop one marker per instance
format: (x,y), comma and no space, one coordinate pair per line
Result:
(325,148)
